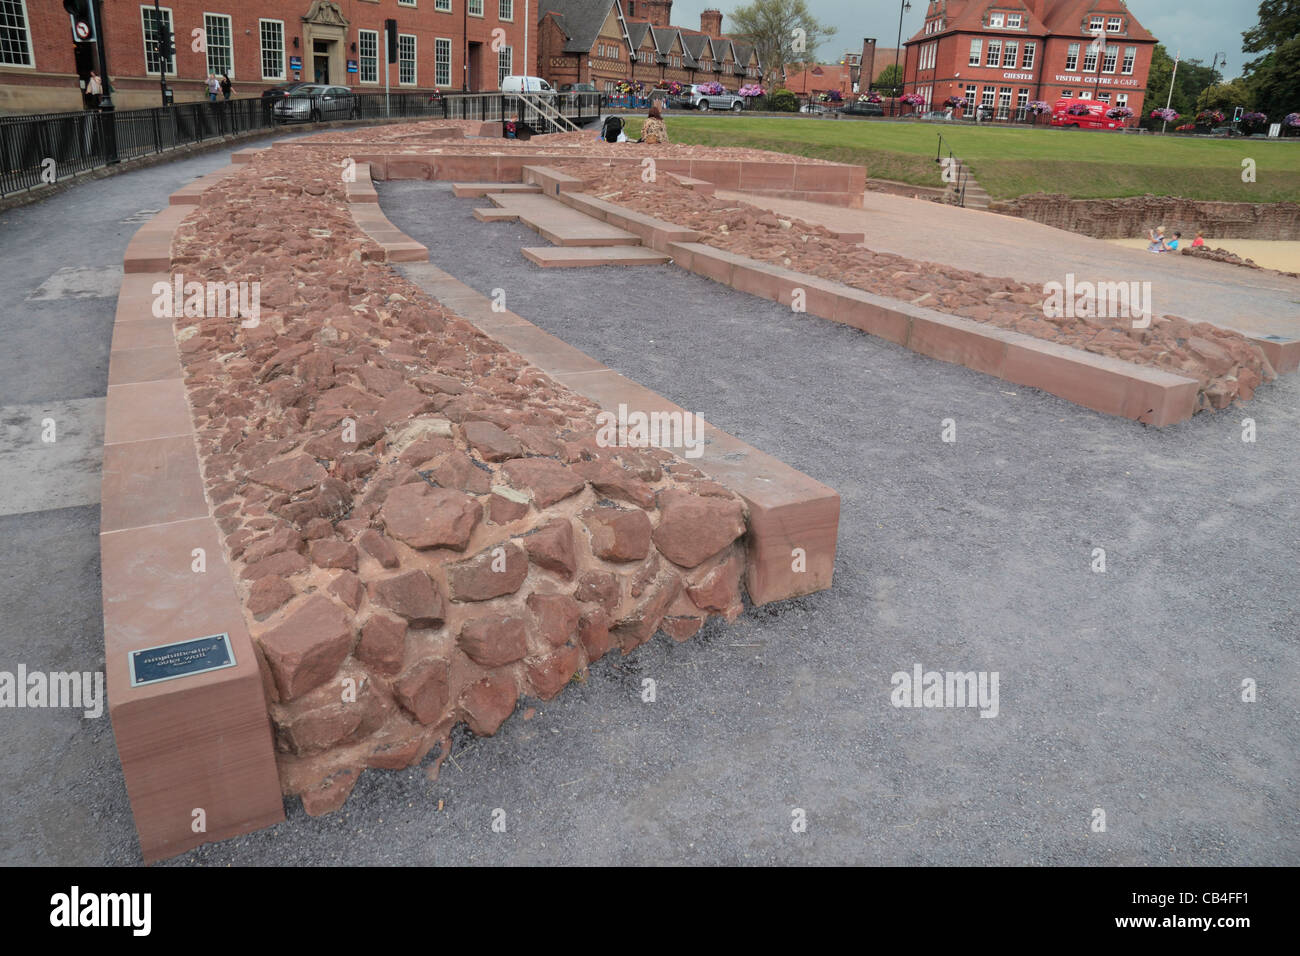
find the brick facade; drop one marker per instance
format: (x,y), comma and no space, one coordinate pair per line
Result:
(328,35)
(1006,53)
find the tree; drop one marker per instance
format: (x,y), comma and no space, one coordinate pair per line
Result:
(1274,77)
(1225,97)
(1193,77)
(783,31)
(891,78)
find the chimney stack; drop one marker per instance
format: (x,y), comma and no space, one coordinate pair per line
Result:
(658,12)
(711,23)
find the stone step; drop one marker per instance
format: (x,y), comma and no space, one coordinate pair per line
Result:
(478,190)
(497,214)
(568,257)
(560,225)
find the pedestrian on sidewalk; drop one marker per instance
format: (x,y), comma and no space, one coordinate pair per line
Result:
(214,87)
(226,86)
(94,90)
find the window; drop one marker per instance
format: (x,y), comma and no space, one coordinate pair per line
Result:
(1112,25)
(217,29)
(442,62)
(15,34)
(475,8)
(272,33)
(1130,54)
(368,56)
(1013,21)
(505,9)
(995,53)
(1121,99)
(1094,24)
(1072,57)
(406,59)
(1027,58)
(976,50)
(443,5)
(1090,59)
(152,61)
(1004,102)
(1022,98)
(995,19)
(986,98)
(407,3)
(1108,62)
(1104,96)
(1009,53)
(505,63)
(970,94)
(1067,94)
(1085,94)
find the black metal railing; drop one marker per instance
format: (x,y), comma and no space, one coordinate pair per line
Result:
(42,148)
(960,175)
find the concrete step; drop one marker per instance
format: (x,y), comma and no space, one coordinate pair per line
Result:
(476,190)
(498,214)
(568,257)
(561,225)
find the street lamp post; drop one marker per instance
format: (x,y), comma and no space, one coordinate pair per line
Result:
(903,8)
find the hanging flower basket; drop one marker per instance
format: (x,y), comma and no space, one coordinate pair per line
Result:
(1209,118)
(1119,113)
(751,89)
(957,102)
(1167,115)
(712,88)
(1038,107)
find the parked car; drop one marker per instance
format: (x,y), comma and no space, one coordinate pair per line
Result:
(1083,114)
(937,115)
(1226,131)
(526,84)
(713,101)
(857,108)
(284,89)
(314,103)
(577,87)
(812,108)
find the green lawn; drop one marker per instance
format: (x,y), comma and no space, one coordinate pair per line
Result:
(1012,162)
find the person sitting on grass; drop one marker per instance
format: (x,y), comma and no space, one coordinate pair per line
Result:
(1198,241)
(654,131)
(1172,245)
(1157,237)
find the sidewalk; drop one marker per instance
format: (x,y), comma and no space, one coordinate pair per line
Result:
(996,245)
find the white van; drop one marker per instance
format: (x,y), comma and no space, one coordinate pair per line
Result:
(525,84)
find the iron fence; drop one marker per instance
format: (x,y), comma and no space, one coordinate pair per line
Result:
(43,148)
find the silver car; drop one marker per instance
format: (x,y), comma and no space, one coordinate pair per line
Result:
(314,103)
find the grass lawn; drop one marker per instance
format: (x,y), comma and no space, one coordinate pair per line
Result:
(1011,162)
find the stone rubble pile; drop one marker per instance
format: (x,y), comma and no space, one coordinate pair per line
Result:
(423,527)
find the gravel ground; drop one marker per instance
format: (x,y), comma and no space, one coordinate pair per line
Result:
(1118,691)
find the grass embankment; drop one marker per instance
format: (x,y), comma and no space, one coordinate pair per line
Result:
(1010,162)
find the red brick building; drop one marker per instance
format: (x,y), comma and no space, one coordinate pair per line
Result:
(443,44)
(605,42)
(1005,54)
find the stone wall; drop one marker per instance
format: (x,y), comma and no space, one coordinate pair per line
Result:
(1135,216)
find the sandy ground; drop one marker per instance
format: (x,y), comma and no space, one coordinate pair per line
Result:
(1277,254)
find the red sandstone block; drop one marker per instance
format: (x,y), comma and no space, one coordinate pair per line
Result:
(552,181)
(725,174)
(951,338)
(465,168)
(756,175)
(761,279)
(872,314)
(143,365)
(146,410)
(1100,382)
(241,156)
(551,257)
(142,334)
(1282,354)
(820,296)
(150,482)
(705,260)
(135,296)
(201,742)
(477,190)
(400,166)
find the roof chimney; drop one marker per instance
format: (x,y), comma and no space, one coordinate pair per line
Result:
(711,22)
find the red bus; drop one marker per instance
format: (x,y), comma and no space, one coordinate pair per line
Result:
(1083,114)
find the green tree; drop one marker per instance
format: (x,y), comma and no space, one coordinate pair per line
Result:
(1192,78)
(1226,97)
(783,31)
(891,77)
(1274,77)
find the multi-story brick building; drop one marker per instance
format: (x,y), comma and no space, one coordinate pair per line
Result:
(1004,54)
(441,44)
(605,42)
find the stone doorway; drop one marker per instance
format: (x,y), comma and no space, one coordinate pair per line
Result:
(324,30)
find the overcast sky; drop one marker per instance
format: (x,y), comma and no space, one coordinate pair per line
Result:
(1200,28)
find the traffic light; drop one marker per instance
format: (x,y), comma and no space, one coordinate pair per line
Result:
(390,28)
(166,42)
(83,20)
